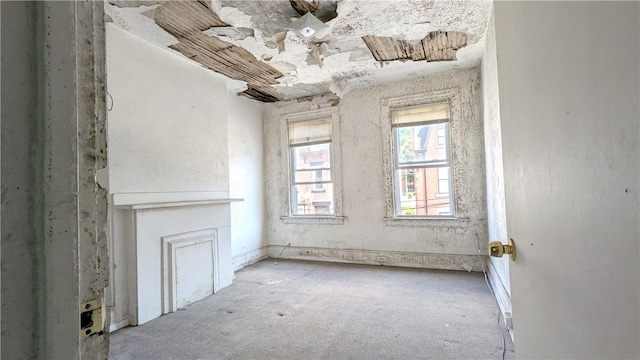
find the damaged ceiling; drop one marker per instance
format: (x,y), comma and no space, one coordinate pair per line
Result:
(357,42)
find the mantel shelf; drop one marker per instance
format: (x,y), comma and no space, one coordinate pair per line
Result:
(179,204)
(152,200)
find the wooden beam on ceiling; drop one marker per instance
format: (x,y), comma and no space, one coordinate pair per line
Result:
(436,46)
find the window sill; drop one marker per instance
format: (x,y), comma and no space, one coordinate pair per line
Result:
(420,221)
(314,220)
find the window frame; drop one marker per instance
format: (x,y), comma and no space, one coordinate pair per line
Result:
(425,164)
(289,217)
(452,96)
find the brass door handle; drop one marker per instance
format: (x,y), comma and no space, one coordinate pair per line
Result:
(497,249)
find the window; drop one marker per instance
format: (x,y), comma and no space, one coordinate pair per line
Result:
(312,183)
(421,160)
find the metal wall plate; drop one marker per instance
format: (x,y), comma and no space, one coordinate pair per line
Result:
(91,318)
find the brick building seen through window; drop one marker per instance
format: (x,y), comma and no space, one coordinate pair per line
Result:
(422,176)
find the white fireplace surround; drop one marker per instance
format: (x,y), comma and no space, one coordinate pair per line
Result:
(168,250)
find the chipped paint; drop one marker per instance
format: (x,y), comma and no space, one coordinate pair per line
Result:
(66,142)
(187,20)
(365,131)
(347,62)
(375,257)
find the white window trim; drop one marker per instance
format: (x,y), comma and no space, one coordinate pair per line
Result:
(288,217)
(387,105)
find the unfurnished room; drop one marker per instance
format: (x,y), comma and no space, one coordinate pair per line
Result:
(320,179)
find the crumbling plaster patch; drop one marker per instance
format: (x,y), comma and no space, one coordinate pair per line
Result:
(347,59)
(133,21)
(356,19)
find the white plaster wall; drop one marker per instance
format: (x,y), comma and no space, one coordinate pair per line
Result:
(363,198)
(168,142)
(496,210)
(167,125)
(569,79)
(246,180)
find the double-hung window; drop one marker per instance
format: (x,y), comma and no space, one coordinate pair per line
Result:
(422,171)
(310,159)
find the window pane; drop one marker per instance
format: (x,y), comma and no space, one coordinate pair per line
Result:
(443,180)
(442,135)
(419,144)
(311,162)
(312,176)
(419,193)
(307,200)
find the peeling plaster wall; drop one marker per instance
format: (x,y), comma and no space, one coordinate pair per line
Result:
(365,234)
(53,132)
(496,210)
(167,127)
(246,180)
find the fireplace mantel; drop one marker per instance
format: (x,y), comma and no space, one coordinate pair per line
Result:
(178,204)
(150,200)
(172,248)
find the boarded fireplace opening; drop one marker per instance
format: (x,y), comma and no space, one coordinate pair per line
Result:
(190,268)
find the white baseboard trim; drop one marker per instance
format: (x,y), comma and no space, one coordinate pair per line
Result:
(118,325)
(375,257)
(249,258)
(503,297)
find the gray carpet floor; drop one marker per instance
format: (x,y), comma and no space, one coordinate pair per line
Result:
(313,310)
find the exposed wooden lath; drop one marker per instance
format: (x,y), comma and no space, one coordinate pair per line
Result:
(436,46)
(187,19)
(304,6)
(183,18)
(232,61)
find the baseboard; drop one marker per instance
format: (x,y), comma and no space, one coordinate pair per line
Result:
(118,325)
(249,258)
(375,257)
(502,296)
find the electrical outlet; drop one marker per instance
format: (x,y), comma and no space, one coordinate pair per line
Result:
(467,267)
(382,258)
